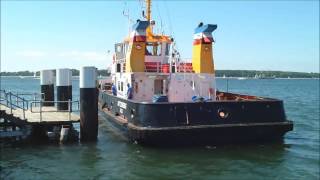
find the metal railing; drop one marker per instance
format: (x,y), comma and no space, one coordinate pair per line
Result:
(70,109)
(3,99)
(14,101)
(31,96)
(21,101)
(158,67)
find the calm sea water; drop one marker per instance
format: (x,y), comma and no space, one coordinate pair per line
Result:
(112,157)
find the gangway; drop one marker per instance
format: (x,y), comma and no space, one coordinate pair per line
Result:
(20,111)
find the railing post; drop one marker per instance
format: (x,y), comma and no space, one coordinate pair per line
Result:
(10,104)
(40,110)
(6,94)
(24,114)
(69,105)
(17,100)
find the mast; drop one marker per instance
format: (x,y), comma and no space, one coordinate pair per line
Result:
(148,8)
(148,3)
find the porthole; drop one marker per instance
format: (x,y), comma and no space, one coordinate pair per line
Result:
(223,114)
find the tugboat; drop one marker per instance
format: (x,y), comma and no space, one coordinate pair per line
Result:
(156,98)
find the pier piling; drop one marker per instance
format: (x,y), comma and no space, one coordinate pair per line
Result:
(64,88)
(88,104)
(47,87)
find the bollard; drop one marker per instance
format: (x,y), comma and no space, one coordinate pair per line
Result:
(88,104)
(64,88)
(47,86)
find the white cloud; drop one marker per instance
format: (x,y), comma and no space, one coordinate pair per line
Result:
(32,53)
(84,55)
(71,55)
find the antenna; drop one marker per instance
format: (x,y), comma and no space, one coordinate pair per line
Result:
(126,13)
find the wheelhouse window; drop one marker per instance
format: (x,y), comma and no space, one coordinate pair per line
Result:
(153,49)
(118,67)
(121,50)
(167,49)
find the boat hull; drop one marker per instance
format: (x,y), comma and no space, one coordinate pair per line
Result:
(196,123)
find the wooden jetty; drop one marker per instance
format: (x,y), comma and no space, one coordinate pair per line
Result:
(21,116)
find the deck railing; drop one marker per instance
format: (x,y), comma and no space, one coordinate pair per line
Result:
(165,67)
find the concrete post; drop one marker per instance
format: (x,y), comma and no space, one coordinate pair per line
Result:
(88,104)
(64,88)
(47,87)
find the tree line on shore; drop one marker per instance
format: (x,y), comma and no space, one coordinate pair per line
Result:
(219,73)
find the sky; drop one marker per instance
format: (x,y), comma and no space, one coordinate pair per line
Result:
(251,35)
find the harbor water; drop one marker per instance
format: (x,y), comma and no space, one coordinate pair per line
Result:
(112,157)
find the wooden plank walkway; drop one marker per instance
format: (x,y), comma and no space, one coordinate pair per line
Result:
(46,117)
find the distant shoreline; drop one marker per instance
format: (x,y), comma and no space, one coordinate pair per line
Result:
(218,77)
(243,74)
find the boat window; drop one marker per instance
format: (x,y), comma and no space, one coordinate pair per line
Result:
(120,50)
(118,67)
(167,49)
(153,49)
(121,86)
(118,85)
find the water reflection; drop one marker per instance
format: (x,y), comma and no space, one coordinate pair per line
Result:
(207,162)
(112,157)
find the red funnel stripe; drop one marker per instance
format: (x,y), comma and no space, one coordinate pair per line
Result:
(203,41)
(207,39)
(197,41)
(139,39)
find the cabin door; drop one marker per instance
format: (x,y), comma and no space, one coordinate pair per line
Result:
(158,86)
